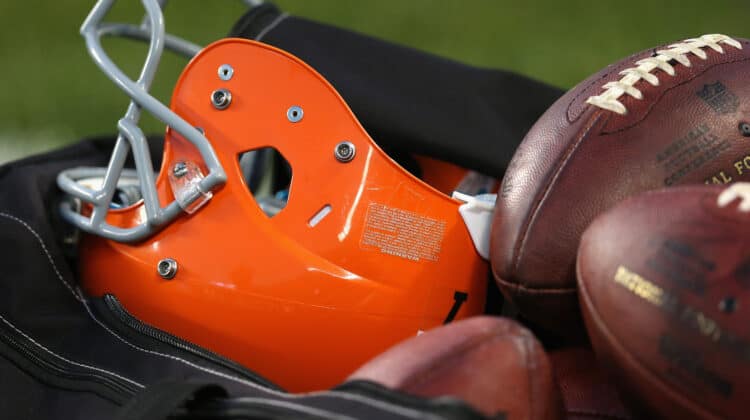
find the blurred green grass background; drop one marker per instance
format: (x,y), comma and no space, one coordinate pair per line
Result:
(52,94)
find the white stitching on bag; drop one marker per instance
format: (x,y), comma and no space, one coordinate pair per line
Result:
(286,404)
(271,26)
(67,360)
(46,252)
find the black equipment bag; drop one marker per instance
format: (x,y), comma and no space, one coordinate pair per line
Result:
(65,355)
(410,101)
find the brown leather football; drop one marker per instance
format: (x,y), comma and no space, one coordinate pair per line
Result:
(492,363)
(586,390)
(664,284)
(672,115)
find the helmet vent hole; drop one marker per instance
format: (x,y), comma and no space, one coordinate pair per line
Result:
(268,177)
(320,215)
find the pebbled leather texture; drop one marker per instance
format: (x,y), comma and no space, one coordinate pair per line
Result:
(492,363)
(579,160)
(655,274)
(587,391)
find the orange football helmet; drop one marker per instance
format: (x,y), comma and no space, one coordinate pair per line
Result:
(301,284)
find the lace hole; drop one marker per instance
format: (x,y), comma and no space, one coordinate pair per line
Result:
(744,129)
(728,305)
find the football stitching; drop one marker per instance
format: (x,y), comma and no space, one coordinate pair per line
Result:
(665,60)
(663,92)
(739,191)
(624,63)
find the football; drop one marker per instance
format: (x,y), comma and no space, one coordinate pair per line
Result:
(493,363)
(664,285)
(676,114)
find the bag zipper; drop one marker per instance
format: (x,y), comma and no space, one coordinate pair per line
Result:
(138,327)
(56,371)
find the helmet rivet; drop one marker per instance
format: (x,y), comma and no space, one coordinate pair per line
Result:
(221,98)
(344,151)
(744,129)
(225,72)
(180,169)
(167,268)
(294,114)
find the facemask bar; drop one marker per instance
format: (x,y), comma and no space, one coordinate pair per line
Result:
(142,33)
(131,136)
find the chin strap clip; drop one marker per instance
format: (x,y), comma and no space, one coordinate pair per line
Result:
(477,213)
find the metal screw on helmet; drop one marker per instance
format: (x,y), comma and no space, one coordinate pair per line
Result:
(294,114)
(167,268)
(221,98)
(180,169)
(744,129)
(344,151)
(225,72)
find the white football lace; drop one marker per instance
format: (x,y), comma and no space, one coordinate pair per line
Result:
(741,191)
(610,98)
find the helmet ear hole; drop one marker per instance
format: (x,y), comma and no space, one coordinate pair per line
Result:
(125,196)
(268,177)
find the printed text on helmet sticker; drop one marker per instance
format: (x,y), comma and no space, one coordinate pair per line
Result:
(402,233)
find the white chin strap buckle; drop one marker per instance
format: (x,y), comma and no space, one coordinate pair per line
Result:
(477,214)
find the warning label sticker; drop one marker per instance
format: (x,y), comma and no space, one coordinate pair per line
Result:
(402,233)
